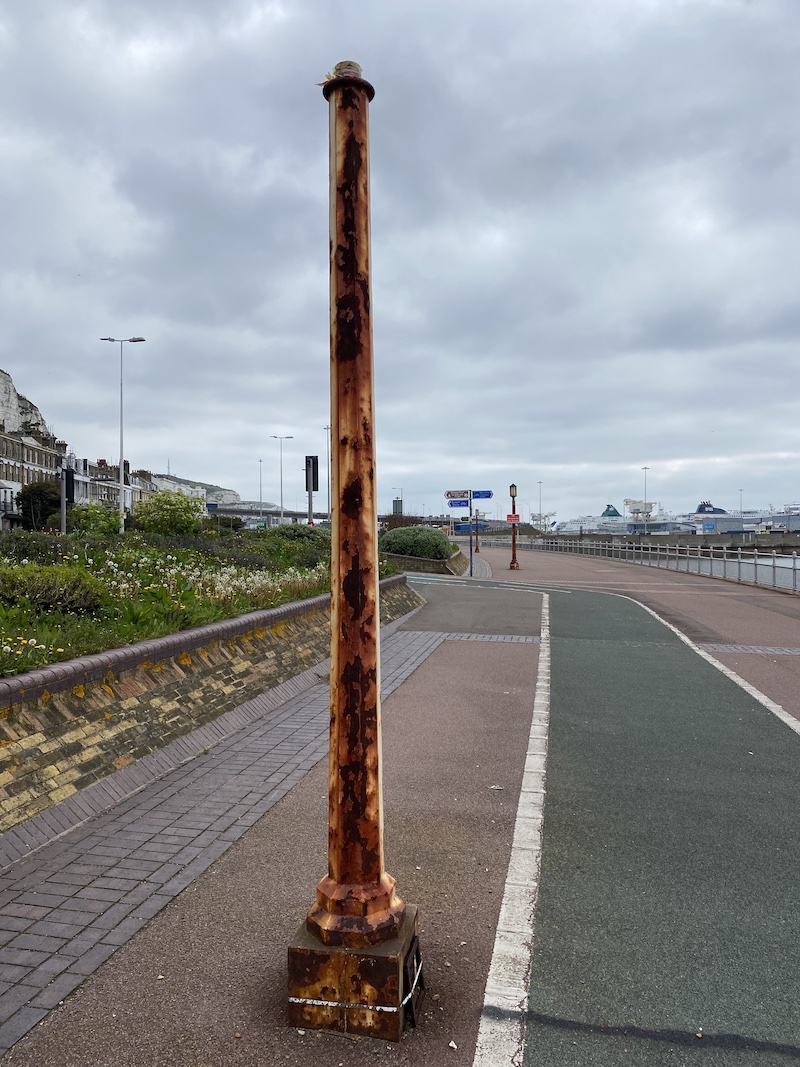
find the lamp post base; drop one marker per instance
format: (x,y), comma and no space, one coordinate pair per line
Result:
(513,565)
(373,990)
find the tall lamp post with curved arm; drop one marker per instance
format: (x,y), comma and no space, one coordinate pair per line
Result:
(121,341)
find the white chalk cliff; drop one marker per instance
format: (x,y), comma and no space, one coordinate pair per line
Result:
(16,411)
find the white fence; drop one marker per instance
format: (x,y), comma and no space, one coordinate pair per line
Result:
(770,569)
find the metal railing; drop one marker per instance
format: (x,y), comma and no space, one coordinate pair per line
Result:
(771,569)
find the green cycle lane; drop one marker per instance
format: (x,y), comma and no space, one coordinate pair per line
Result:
(669,903)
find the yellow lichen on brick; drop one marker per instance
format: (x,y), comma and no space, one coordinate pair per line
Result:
(46,697)
(78,691)
(107,689)
(61,793)
(67,769)
(185,659)
(32,741)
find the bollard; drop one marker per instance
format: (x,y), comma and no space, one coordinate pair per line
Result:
(355,965)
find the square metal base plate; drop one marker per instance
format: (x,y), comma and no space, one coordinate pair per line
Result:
(356,990)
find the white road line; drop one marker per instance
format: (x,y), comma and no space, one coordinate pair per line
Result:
(501,1036)
(751,690)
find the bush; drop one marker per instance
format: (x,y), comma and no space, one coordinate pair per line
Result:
(421,541)
(60,587)
(93,518)
(169,513)
(293,545)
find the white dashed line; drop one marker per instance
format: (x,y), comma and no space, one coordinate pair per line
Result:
(501,1036)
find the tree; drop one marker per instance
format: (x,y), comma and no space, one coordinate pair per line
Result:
(38,502)
(168,513)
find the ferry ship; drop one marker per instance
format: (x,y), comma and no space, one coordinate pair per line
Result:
(645,517)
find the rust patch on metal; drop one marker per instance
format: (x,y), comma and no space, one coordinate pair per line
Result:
(352,499)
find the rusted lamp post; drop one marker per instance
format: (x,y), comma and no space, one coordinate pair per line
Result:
(513,566)
(354,966)
(477,524)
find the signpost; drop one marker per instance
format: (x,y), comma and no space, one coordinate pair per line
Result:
(462,498)
(513,518)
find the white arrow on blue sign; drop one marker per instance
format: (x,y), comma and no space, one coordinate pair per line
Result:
(458,503)
(482,494)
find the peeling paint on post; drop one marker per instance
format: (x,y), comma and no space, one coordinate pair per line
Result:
(358,927)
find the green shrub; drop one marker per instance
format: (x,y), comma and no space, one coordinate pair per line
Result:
(168,513)
(93,518)
(59,587)
(421,541)
(293,545)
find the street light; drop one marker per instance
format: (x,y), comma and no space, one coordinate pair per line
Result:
(645,469)
(540,507)
(121,342)
(260,498)
(514,565)
(287,437)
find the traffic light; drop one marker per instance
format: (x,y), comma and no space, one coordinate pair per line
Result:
(312,474)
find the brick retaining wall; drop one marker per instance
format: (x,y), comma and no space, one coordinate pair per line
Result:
(67,725)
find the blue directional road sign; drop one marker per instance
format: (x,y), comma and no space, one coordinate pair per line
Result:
(458,503)
(482,494)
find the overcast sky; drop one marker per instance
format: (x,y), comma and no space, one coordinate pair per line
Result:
(585,226)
